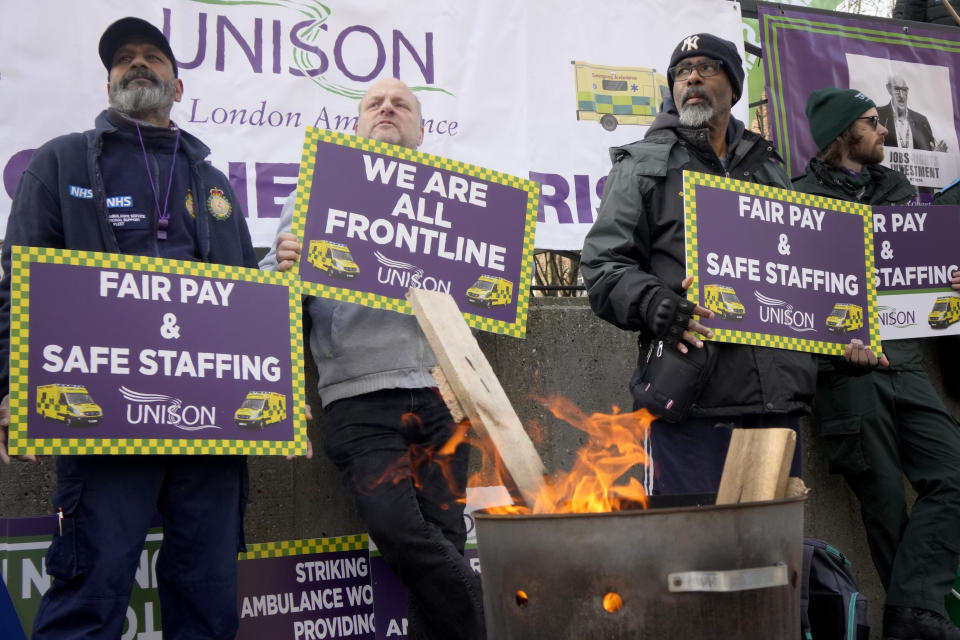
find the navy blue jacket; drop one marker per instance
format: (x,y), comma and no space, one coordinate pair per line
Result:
(44,213)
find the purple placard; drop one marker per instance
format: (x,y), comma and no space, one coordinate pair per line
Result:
(27,526)
(376,220)
(390,595)
(308,595)
(177,358)
(916,254)
(865,53)
(389,599)
(778,267)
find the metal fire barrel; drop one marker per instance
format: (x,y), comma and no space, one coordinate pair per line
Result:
(716,571)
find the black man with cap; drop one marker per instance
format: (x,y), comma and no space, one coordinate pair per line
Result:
(634,267)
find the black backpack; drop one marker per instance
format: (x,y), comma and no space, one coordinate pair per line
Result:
(831,605)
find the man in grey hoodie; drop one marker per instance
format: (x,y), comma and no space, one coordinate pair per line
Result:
(384,421)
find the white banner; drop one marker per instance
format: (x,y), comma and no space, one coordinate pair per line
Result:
(535,89)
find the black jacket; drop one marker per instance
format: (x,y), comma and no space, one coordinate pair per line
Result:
(931,11)
(636,246)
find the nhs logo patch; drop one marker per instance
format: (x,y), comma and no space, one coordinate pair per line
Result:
(85,193)
(115,202)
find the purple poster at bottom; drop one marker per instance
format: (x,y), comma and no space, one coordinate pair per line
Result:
(390,595)
(306,590)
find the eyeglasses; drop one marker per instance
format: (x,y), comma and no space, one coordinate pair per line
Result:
(873,121)
(706,69)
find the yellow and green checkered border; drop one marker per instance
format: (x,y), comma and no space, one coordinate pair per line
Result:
(20,444)
(286,548)
(308,162)
(692,180)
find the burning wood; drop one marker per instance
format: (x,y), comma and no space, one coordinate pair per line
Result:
(757,467)
(615,445)
(477,388)
(598,481)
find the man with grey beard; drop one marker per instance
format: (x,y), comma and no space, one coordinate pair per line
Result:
(143,102)
(634,267)
(135,184)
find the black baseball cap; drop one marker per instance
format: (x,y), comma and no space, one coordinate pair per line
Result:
(711,46)
(131,29)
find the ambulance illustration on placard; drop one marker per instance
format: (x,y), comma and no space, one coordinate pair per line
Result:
(946,311)
(68,403)
(490,291)
(723,301)
(618,95)
(845,318)
(332,257)
(261,408)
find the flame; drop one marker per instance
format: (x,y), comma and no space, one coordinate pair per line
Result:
(594,484)
(419,458)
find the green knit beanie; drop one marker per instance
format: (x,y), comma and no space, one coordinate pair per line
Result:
(831,111)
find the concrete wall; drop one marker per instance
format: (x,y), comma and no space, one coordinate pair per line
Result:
(567,351)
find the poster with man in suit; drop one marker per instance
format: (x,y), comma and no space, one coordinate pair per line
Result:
(906,128)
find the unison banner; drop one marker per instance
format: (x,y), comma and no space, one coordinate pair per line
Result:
(915,253)
(386,218)
(113,353)
(780,268)
(496,79)
(908,69)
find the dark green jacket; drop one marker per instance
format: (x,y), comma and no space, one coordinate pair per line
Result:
(884,187)
(636,246)
(949,195)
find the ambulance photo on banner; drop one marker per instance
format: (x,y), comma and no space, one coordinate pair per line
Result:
(908,69)
(539,90)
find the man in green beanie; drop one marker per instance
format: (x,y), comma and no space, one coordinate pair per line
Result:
(889,422)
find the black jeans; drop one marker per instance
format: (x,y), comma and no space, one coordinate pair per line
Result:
(411,497)
(875,429)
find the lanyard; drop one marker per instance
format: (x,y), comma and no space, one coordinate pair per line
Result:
(164,220)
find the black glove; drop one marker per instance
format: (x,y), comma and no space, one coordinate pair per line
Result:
(668,315)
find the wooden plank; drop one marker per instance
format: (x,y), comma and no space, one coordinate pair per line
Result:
(449,397)
(757,465)
(476,386)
